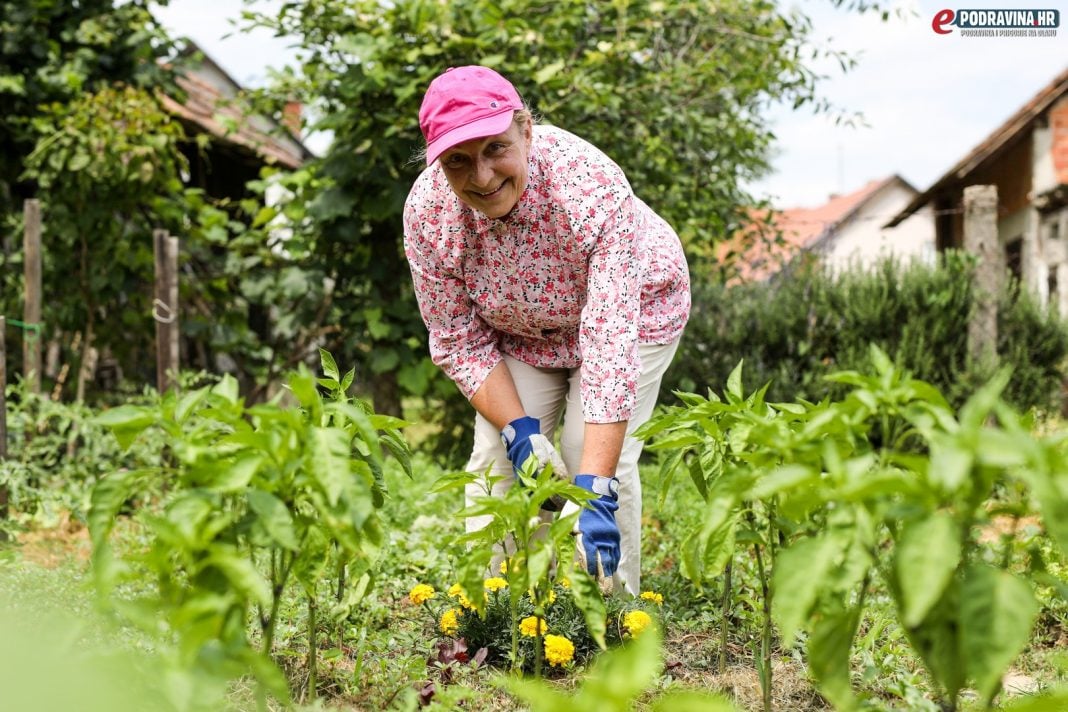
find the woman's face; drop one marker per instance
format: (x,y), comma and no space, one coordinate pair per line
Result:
(489,174)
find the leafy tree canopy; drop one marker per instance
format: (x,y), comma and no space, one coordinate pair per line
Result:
(53,51)
(675,92)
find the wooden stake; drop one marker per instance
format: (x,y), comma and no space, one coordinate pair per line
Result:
(981,239)
(3,415)
(31,315)
(165,310)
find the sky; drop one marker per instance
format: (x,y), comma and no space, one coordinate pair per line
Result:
(925,100)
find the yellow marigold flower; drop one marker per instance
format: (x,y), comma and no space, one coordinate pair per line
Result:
(636,621)
(565,582)
(529,626)
(558,650)
(457,591)
(421,593)
(504,567)
(450,621)
(656,598)
(495,584)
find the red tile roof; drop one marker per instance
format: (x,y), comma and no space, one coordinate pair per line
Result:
(761,255)
(992,146)
(225,118)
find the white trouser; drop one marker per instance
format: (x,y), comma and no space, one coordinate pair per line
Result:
(545,393)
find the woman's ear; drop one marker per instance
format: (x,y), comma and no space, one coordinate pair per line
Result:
(528,132)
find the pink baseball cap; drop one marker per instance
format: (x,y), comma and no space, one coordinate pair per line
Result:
(465,103)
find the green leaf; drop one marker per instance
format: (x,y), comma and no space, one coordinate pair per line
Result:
(227,388)
(734,383)
(782,479)
(697,475)
(78,162)
(801,573)
(1055,701)
(706,551)
(828,656)
(537,694)
(927,553)
(589,600)
(329,460)
(275,518)
(126,422)
(234,476)
(951,464)
(310,562)
(997,612)
(330,369)
(188,403)
(622,674)
(548,72)
(241,574)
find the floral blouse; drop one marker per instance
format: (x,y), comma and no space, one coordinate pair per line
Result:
(578,274)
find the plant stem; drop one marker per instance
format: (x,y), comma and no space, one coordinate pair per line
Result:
(765,631)
(276,600)
(312,645)
(514,607)
(538,646)
(725,609)
(340,595)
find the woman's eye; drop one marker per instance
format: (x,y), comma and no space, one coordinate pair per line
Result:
(454,161)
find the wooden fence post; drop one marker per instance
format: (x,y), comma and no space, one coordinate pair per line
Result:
(31,314)
(165,309)
(981,240)
(3,416)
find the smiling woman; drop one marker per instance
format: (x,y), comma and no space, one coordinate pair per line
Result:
(552,295)
(490,174)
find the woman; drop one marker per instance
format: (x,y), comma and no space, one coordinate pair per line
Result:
(548,289)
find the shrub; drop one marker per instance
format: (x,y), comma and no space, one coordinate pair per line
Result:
(807,323)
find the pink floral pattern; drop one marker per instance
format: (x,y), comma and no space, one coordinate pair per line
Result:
(580,272)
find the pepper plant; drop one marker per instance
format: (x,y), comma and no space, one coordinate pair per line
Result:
(256,499)
(888,486)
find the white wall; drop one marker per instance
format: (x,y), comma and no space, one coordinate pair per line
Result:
(862,241)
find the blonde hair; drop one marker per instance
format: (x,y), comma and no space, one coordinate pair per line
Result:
(520,118)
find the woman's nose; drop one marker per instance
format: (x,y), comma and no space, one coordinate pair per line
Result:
(483,173)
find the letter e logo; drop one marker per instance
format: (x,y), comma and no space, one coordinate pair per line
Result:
(941,19)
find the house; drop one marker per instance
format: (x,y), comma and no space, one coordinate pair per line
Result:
(242,141)
(1027,159)
(846,232)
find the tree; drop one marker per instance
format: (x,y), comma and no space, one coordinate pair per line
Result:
(673,91)
(52,53)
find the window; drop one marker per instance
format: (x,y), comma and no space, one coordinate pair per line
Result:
(1014,257)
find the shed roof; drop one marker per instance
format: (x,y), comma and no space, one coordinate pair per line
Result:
(213,104)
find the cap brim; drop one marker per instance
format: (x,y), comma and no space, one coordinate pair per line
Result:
(489,126)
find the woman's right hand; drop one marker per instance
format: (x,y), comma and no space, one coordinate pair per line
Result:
(523,440)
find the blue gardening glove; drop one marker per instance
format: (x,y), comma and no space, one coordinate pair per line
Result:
(598,534)
(522,440)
